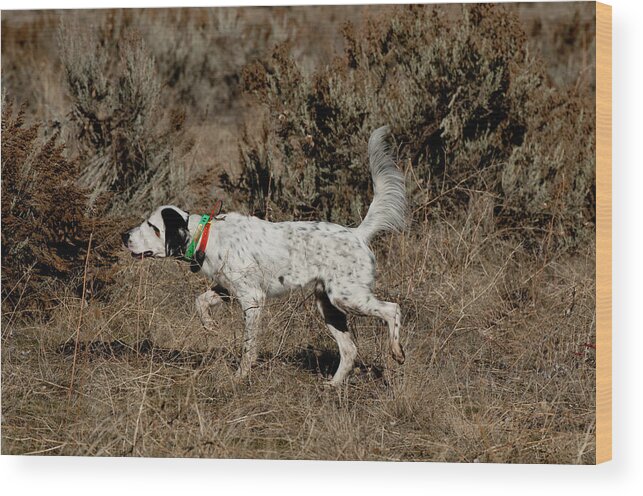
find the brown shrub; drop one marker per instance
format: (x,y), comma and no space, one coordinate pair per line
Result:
(565,36)
(46,220)
(470,108)
(30,66)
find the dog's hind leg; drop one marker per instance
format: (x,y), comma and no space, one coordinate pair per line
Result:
(365,303)
(392,314)
(336,322)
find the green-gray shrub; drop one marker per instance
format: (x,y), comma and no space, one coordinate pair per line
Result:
(470,108)
(128,139)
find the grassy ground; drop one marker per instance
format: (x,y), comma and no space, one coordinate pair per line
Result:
(500,366)
(499,339)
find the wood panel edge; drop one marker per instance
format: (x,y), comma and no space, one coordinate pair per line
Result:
(603,232)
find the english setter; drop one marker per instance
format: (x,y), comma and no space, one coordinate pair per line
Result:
(255,259)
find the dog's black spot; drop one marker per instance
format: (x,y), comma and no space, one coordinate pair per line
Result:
(281,279)
(197,262)
(222,292)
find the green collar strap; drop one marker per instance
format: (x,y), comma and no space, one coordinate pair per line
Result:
(189,253)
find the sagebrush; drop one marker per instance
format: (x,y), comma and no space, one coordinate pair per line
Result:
(470,108)
(129,140)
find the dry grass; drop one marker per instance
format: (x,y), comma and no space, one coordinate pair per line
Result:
(500,366)
(499,336)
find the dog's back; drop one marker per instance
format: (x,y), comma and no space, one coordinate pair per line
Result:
(281,256)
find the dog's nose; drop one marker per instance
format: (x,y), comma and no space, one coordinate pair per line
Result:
(125,237)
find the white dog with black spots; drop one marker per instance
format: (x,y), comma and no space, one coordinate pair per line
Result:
(254,259)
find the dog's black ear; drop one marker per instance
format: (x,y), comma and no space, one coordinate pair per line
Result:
(177,235)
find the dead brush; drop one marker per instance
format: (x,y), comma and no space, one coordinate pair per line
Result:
(470,107)
(41,252)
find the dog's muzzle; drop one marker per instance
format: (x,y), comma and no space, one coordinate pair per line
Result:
(125,238)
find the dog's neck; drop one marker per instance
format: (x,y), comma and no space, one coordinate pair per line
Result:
(193,222)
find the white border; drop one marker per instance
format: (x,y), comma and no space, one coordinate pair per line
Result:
(60,475)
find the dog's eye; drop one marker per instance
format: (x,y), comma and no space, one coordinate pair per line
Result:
(156,229)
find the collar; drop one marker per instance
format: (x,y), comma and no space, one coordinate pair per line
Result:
(189,253)
(202,234)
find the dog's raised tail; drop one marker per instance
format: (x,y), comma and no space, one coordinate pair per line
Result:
(388,209)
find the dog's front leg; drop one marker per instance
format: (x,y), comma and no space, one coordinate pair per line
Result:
(203,303)
(252,313)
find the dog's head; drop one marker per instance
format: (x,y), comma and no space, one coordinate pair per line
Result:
(163,234)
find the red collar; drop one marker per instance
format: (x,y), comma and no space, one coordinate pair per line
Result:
(203,243)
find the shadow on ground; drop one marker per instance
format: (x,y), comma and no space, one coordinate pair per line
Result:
(309,359)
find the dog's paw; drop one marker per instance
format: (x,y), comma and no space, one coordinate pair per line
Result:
(241,374)
(206,321)
(330,384)
(398,353)
(333,383)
